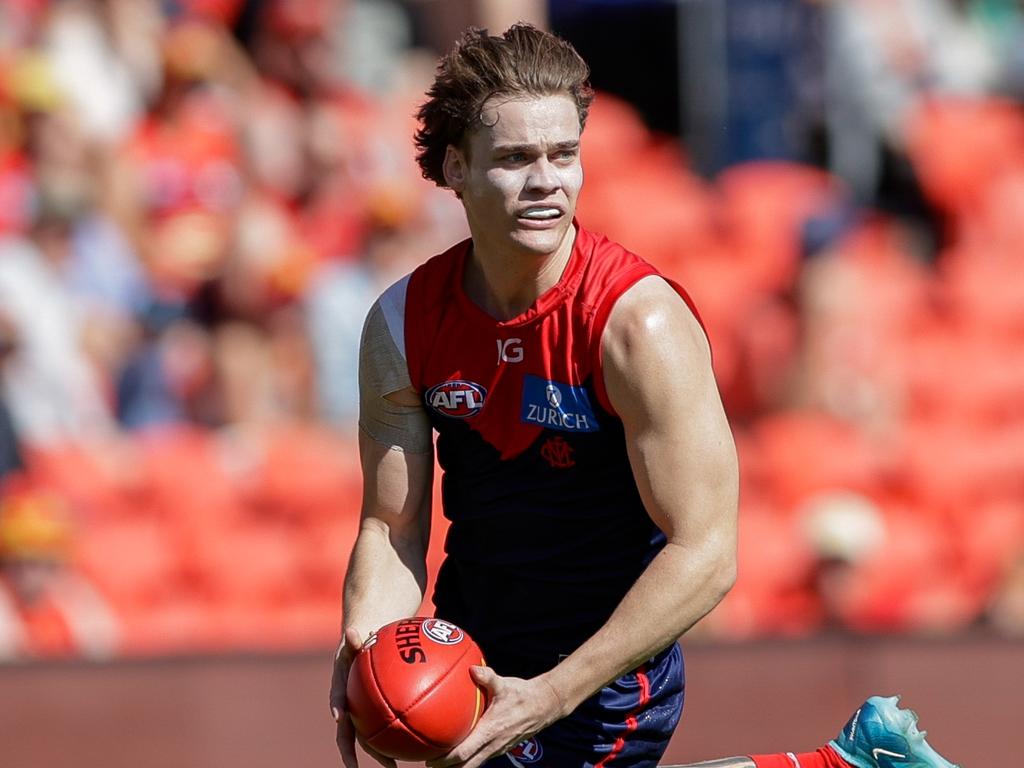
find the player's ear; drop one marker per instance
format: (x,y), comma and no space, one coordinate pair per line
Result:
(454,168)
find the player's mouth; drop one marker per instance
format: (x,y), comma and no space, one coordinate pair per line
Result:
(540,216)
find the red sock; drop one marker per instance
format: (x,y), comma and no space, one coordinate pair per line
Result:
(825,757)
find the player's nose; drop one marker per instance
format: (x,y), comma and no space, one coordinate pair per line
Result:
(543,176)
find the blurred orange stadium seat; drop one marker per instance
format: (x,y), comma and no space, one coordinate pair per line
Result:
(307,473)
(958,146)
(309,623)
(773,594)
(94,488)
(615,133)
(135,563)
(913,583)
(990,538)
(326,545)
(952,462)
(976,286)
(176,625)
(803,453)
(762,207)
(255,564)
(184,470)
(630,169)
(677,224)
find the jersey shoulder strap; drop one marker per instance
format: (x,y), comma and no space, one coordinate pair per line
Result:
(612,271)
(430,291)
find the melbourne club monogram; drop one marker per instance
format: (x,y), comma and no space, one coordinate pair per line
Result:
(558,453)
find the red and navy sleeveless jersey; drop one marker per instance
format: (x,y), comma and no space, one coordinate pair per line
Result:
(548,530)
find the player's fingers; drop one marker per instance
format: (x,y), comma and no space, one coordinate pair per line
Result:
(456,757)
(382,759)
(353,642)
(343,656)
(486,677)
(337,694)
(475,745)
(345,739)
(336,698)
(480,755)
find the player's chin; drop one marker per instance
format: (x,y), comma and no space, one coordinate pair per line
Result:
(541,240)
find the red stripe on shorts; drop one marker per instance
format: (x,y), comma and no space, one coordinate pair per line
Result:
(631,723)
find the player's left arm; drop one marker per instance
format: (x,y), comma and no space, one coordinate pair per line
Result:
(657,372)
(658,375)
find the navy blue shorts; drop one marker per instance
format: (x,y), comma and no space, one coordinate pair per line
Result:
(626,724)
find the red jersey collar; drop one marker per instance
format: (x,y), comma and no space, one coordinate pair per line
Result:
(572,275)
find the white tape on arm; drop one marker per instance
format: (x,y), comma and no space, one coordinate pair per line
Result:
(382,371)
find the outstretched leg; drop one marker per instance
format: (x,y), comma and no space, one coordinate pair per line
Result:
(879,735)
(823,758)
(728,762)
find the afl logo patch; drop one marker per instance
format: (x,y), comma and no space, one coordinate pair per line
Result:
(458,398)
(525,752)
(442,632)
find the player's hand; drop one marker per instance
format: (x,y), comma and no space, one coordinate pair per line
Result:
(517,709)
(346,736)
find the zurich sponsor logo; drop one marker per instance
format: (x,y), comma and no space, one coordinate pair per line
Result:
(525,752)
(457,398)
(442,632)
(557,406)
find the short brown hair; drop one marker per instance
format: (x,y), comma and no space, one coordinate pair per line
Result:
(524,61)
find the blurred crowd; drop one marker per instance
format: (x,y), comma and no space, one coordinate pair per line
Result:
(199,199)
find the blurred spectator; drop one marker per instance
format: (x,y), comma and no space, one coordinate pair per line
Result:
(774,55)
(1000,23)
(10,448)
(860,302)
(49,383)
(46,607)
(884,61)
(883,57)
(844,530)
(1006,612)
(342,294)
(89,44)
(168,378)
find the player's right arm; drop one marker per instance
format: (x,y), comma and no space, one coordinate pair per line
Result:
(387,572)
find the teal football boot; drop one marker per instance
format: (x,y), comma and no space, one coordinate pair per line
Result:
(881,735)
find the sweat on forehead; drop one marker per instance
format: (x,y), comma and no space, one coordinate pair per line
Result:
(524,114)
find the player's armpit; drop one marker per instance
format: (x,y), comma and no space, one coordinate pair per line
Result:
(390,411)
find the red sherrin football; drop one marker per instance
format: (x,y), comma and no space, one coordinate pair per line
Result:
(409,691)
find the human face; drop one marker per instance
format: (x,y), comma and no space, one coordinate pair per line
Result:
(521,176)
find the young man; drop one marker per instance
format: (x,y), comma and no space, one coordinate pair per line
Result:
(590,474)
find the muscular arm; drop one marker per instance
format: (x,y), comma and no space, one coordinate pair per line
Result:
(387,572)
(657,369)
(387,575)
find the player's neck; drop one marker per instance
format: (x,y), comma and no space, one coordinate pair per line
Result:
(505,284)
